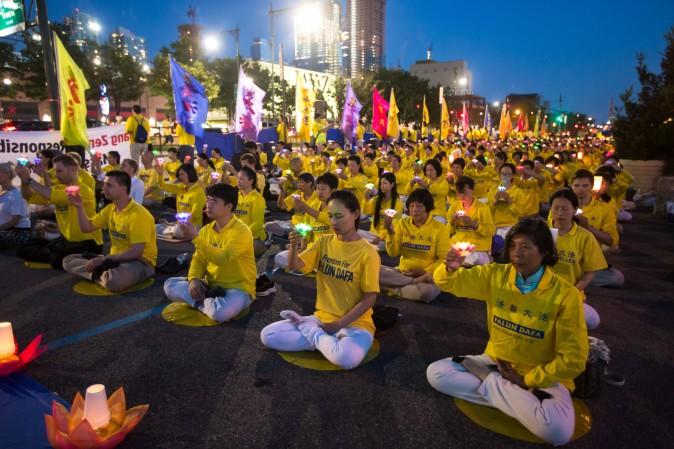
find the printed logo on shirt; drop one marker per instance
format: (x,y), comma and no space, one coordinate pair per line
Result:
(335,268)
(117,235)
(416,247)
(241,212)
(522,330)
(566,256)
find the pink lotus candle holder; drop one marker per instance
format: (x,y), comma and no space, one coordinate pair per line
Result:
(463,249)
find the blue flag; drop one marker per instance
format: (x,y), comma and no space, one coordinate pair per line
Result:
(190,99)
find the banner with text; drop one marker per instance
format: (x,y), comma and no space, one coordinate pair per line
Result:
(27,144)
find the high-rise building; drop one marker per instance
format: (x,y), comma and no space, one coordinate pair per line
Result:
(454,76)
(366,26)
(259,50)
(130,44)
(83,29)
(318,37)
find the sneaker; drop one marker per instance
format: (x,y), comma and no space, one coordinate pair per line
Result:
(265,288)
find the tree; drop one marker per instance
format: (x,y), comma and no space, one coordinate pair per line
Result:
(8,70)
(645,130)
(121,74)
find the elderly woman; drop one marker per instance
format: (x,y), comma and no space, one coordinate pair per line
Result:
(537,336)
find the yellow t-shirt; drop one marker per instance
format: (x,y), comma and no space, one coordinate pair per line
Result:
(150,179)
(372,172)
(420,248)
(66,214)
(403,179)
(171,168)
(601,216)
(531,195)
(130,226)
(385,204)
(506,214)
(183,137)
(84,177)
(344,272)
(190,199)
(250,210)
(541,333)
(132,124)
(480,237)
(312,201)
(439,190)
(578,252)
(356,185)
(225,258)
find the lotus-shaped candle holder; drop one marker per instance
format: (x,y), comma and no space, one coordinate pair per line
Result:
(72,190)
(188,159)
(463,249)
(369,186)
(390,212)
(215,176)
(17,360)
(69,430)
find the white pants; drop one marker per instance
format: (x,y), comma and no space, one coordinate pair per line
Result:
(221,308)
(371,237)
(391,278)
(346,348)
(551,420)
(281,260)
(591,317)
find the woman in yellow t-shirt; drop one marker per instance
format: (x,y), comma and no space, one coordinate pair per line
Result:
(378,207)
(190,195)
(347,282)
(579,253)
(250,208)
(537,336)
(437,185)
(205,168)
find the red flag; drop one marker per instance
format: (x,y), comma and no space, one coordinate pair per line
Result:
(520,122)
(379,114)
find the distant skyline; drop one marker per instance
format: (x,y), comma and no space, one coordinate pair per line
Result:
(583,51)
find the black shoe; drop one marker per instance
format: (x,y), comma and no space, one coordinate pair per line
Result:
(265,288)
(262,279)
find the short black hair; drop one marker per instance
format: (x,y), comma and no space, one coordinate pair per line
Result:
(422,196)
(307,177)
(509,165)
(115,154)
(250,145)
(583,174)
(435,164)
(131,163)
(329,180)
(225,192)
(136,109)
(464,181)
(459,161)
(173,150)
(566,194)
(121,178)
(216,150)
(538,231)
(190,171)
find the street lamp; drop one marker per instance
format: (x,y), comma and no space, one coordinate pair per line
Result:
(7,82)
(211,43)
(496,104)
(95,27)
(146,68)
(463,81)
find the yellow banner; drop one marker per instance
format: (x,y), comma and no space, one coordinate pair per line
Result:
(73,104)
(304,110)
(444,121)
(393,126)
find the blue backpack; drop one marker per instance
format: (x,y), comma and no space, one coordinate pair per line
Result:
(141,134)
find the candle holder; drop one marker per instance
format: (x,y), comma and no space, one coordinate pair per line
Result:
(183,217)
(596,185)
(463,249)
(555,234)
(160,162)
(460,213)
(303,229)
(72,190)
(73,430)
(215,176)
(579,211)
(37,161)
(187,159)
(11,360)
(390,213)
(369,186)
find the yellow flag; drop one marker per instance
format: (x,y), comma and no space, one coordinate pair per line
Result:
(425,119)
(444,121)
(538,123)
(304,110)
(72,85)
(505,126)
(393,127)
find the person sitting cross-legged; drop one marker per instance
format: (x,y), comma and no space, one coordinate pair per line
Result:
(347,283)
(133,250)
(538,340)
(221,279)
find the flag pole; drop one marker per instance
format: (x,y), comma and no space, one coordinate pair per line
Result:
(49,62)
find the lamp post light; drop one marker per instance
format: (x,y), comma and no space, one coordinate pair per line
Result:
(211,43)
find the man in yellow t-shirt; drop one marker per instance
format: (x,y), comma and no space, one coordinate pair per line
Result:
(138,141)
(72,239)
(153,193)
(221,279)
(133,241)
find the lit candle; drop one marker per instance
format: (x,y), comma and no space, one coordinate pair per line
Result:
(22,161)
(463,248)
(369,186)
(297,196)
(598,181)
(338,171)
(303,229)
(215,176)
(72,190)
(188,158)
(580,155)
(183,217)
(390,213)
(99,155)
(579,211)
(288,172)
(160,162)
(96,409)
(7,346)
(520,168)
(460,213)
(501,188)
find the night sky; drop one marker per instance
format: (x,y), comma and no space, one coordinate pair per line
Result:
(583,50)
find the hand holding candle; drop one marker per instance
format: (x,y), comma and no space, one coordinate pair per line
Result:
(391,213)
(303,229)
(72,190)
(215,176)
(183,217)
(598,181)
(463,249)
